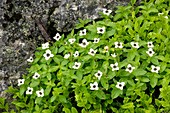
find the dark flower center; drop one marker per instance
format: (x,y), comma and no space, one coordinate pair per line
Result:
(48,54)
(76,65)
(40,93)
(101,30)
(120,85)
(155,69)
(118,44)
(30,90)
(82,32)
(84,43)
(92,52)
(130,68)
(150,52)
(20,81)
(94,86)
(98,74)
(114,66)
(107,11)
(135,45)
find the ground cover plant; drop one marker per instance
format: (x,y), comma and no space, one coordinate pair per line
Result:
(117,64)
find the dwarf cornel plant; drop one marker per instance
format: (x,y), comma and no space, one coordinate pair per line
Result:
(118,64)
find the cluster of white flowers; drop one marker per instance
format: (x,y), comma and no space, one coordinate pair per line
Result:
(150,51)
(29,91)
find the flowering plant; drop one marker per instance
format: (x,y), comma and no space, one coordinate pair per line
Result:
(117,64)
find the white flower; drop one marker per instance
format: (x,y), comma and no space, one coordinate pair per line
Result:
(36,75)
(72,40)
(66,56)
(135,44)
(84,43)
(114,66)
(155,69)
(30,59)
(96,40)
(106,48)
(45,45)
(29,90)
(107,12)
(76,54)
(166,17)
(40,93)
(98,74)
(101,30)
(76,65)
(92,52)
(21,81)
(57,37)
(113,55)
(94,86)
(130,68)
(118,45)
(150,52)
(150,45)
(48,54)
(120,85)
(82,32)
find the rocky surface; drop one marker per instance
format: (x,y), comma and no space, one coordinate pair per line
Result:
(20,35)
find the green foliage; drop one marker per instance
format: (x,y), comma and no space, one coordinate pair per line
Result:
(124,68)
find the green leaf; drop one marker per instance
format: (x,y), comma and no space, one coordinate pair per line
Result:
(22,90)
(74,110)
(133,2)
(64,62)
(144,79)
(53,68)
(104,83)
(38,100)
(46,111)
(34,83)
(47,91)
(2,100)
(53,98)
(57,59)
(115,93)
(19,104)
(154,60)
(139,72)
(61,49)
(100,94)
(34,68)
(62,99)
(66,110)
(153,81)
(127,105)
(79,74)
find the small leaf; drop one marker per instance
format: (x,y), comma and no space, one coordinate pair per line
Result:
(34,83)
(53,68)
(64,62)
(19,104)
(115,93)
(153,81)
(61,49)
(127,105)
(144,79)
(74,110)
(154,61)
(100,94)
(66,110)
(139,72)
(104,83)
(62,99)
